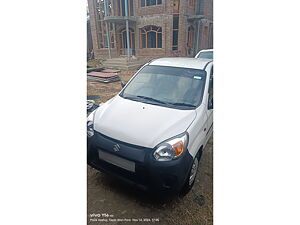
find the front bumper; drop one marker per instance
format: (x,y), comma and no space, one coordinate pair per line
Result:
(149,174)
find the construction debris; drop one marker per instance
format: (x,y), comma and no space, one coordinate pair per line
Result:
(94,69)
(104,77)
(93,97)
(110,71)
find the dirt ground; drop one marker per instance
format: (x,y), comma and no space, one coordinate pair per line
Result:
(110,199)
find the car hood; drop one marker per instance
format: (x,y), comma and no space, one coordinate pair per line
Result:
(139,123)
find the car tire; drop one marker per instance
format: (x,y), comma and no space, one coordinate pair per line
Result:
(189,183)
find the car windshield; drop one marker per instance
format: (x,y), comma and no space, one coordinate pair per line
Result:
(206,55)
(172,87)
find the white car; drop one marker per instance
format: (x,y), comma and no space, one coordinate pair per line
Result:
(205,54)
(153,132)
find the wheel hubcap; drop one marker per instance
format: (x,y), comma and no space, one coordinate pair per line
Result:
(193,171)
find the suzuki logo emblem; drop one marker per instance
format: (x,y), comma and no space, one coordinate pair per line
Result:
(116,148)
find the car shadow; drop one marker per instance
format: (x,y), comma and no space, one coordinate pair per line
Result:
(128,191)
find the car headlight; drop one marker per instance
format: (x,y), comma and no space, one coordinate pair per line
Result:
(90,124)
(171,148)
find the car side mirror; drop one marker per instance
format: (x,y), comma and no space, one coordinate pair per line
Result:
(123,84)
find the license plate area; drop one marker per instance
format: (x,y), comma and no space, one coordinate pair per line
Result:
(117,161)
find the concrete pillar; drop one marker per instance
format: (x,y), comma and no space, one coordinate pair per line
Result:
(127,29)
(198,37)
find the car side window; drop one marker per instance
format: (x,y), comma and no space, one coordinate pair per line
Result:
(211,90)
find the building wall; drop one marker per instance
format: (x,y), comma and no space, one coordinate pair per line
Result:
(206,24)
(89,38)
(162,16)
(93,25)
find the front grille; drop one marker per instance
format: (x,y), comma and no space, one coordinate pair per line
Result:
(139,176)
(116,160)
(128,152)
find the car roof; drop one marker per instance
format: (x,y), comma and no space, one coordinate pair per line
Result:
(207,50)
(183,62)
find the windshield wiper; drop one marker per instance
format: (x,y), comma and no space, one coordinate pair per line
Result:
(182,104)
(151,99)
(159,101)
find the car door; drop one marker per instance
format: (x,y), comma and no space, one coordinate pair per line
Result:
(209,110)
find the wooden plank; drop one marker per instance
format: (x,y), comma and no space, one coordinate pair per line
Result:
(101,74)
(110,71)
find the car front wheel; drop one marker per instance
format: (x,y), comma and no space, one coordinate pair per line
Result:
(192,176)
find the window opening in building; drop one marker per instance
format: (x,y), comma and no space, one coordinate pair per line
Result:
(100,9)
(151,37)
(192,3)
(175,32)
(150,2)
(123,41)
(121,7)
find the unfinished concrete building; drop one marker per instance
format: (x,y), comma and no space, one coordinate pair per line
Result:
(145,29)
